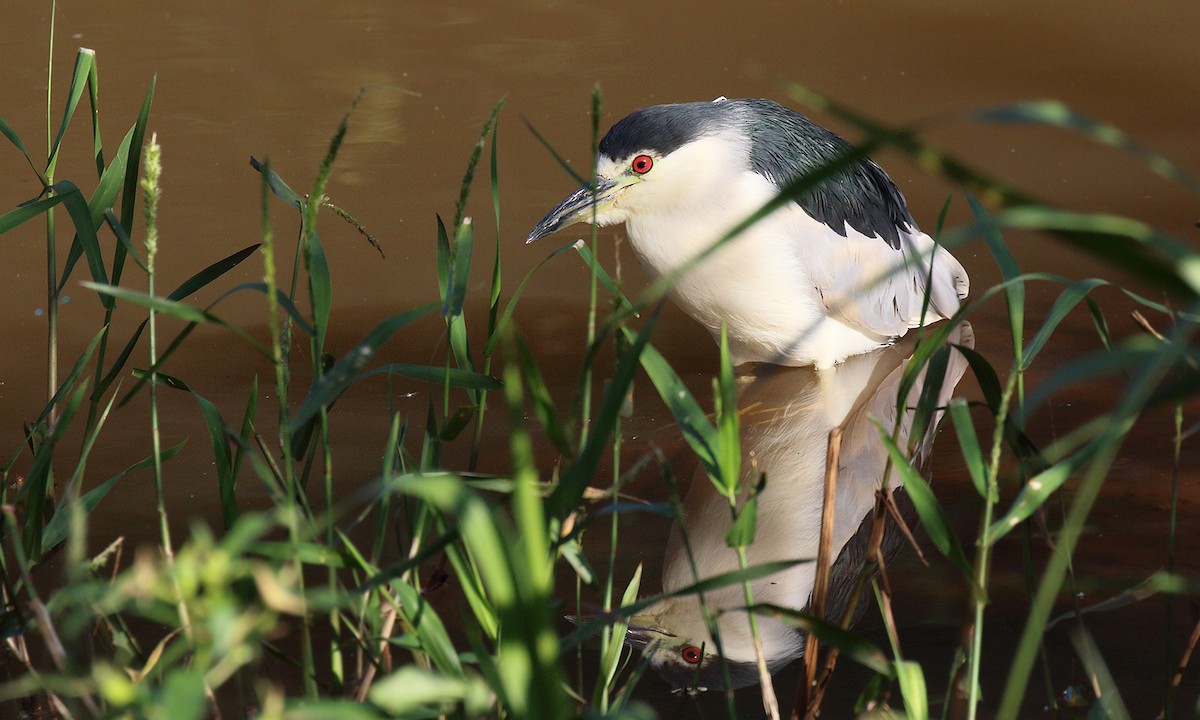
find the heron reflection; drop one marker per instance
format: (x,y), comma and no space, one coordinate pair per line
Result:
(787,414)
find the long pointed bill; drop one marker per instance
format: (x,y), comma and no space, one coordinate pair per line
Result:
(581,206)
(643,630)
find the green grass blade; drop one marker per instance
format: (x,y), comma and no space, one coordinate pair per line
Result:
(506,316)
(729,446)
(570,489)
(129,192)
(320,288)
(222,458)
(435,375)
(830,635)
(733,577)
(72,377)
(927,409)
(929,510)
(616,642)
(968,443)
(277,185)
(1058,114)
(27,211)
(1037,491)
(553,153)
(543,403)
(1063,304)
(56,530)
(341,375)
(35,489)
(111,181)
(85,64)
(986,376)
(8,132)
(1014,293)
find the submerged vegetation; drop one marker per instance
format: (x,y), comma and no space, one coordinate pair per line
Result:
(336,594)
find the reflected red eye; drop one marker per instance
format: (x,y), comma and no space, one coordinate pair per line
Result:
(642,164)
(691,654)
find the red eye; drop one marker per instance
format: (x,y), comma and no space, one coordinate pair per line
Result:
(691,654)
(642,164)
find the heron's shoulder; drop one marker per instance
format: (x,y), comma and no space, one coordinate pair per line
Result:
(785,146)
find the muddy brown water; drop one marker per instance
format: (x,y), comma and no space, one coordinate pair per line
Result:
(240,79)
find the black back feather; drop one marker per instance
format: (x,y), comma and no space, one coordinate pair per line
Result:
(784,146)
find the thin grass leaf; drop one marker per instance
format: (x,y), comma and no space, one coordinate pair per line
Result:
(8,132)
(111,181)
(320,290)
(986,376)
(341,375)
(284,301)
(733,577)
(129,192)
(573,553)
(56,530)
(1037,490)
(277,185)
(616,640)
(553,153)
(1058,114)
(435,375)
(35,489)
(506,317)
(163,306)
(931,341)
(742,531)
(830,635)
(543,404)
(1014,293)
(570,489)
(84,72)
(693,422)
(435,640)
(729,446)
(189,286)
(412,691)
(494,296)
(72,377)
(247,428)
(124,248)
(460,272)
(1063,304)
(929,510)
(533,570)
(27,211)
(222,458)
(1108,697)
(968,443)
(911,680)
(926,409)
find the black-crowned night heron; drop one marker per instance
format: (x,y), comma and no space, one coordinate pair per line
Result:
(787,414)
(841,271)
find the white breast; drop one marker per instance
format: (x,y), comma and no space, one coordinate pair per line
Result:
(758,283)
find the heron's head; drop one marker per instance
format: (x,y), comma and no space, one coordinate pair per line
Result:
(658,158)
(667,158)
(675,640)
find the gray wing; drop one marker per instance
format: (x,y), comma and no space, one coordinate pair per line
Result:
(871,286)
